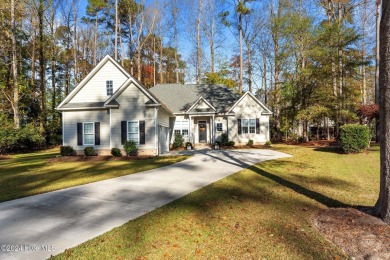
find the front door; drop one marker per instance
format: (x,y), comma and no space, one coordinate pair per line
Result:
(202,131)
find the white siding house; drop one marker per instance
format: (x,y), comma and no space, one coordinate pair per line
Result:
(109,107)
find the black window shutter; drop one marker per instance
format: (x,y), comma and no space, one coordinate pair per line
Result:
(257,126)
(239,126)
(124,131)
(97,133)
(79,133)
(141,132)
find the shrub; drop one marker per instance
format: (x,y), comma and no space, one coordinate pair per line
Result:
(250,143)
(189,144)
(231,143)
(26,138)
(67,151)
(130,147)
(218,143)
(268,143)
(224,139)
(116,152)
(354,138)
(90,151)
(178,142)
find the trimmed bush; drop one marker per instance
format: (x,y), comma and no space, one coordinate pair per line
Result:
(178,142)
(116,152)
(231,143)
(250,143)
(90,151)
(130,148)
(67,150)
(224,139)
(354,138)
(189,144)
(268,143)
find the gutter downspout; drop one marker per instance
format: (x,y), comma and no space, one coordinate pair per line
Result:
(63,128)
(156,130)
(110,130)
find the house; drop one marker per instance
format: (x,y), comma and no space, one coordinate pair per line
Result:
(109,107)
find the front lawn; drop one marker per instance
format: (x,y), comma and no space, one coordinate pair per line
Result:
(31,173)
(264,212)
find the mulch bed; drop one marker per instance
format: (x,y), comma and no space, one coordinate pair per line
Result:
(99,158)
(319,143)
(4,157)
(358,234)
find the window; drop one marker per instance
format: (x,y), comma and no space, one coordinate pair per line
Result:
(109,87)
(89,134)
(181,128)
(252,126)
(219,127)
(244,126)
(133,131)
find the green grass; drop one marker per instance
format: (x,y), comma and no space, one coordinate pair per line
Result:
(30,174)
(264,212)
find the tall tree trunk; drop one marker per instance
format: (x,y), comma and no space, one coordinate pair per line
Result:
(377,60)
(121,45)
(276,91)
(154,61)
(199,46)
(175,36)
(241,59)
(161,62)
(15,105)
(53,61)
(139,73)
(42,86)
(377,48)
(95,40)
(383,204)
(249,51)
(265,78)
(75,45)
(116,31)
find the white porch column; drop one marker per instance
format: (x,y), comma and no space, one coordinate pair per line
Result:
(213,131)
(190,131)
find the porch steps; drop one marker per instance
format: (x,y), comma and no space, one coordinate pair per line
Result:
(202,146)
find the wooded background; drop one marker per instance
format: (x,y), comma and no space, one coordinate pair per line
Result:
(309,61)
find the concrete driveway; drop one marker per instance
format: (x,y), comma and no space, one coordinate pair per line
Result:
(44,225)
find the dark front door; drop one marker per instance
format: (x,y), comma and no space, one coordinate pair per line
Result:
(202,132)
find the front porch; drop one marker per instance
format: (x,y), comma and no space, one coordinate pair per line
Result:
(201,130)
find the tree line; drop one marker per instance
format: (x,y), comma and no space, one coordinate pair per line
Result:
(310,62)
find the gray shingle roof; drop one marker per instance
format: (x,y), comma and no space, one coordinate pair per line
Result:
(89,104)
(84,105)
(179,98)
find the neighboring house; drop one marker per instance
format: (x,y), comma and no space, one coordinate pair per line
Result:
(109,107)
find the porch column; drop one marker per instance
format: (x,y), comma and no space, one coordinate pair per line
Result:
(213,131)
(190,131)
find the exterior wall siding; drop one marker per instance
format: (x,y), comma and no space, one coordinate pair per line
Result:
(71,118)
(95,89)
(132,107)
(163,117)
(248,109)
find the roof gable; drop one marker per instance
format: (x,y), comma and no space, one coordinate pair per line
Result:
(201,105)
(92,88)
(266,111)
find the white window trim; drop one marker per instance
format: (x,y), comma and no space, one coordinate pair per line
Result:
(93,132)
(127,130)
(112,87)
(216,127)
(249,127)
(181,128)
